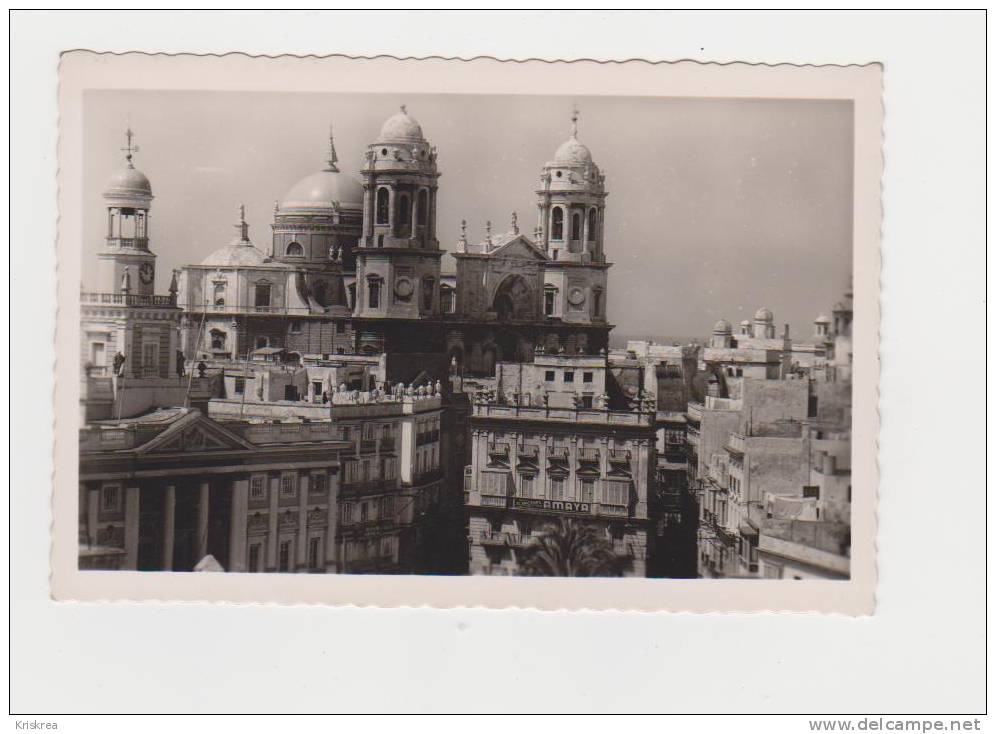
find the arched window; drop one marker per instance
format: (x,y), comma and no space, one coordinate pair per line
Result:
(549,300)
(423,207)
(373,292)
(219,294)
(446,298)
(428,286)
(596,303)
(294,249)
(218,338)
(382,206)
(557,230)
(404,210)
(576,226)
(592,224)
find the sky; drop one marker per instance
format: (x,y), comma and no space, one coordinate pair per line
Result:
(716,207)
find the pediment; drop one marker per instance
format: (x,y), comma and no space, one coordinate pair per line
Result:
(520,248)
(195,435)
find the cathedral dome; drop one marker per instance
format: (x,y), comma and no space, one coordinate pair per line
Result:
(764,314)
(572,153)
(324,190)
(401,128)
(240,252)
(822,319)
(128,181)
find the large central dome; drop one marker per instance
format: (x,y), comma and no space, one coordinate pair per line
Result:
(401,128)
(324,190)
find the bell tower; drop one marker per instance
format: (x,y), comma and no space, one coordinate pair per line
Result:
(126,264)
(571,209)
(397,272)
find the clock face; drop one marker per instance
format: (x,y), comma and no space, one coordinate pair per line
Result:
(146,272)
(575,296)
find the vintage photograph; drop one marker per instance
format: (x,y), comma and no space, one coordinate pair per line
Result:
(465,334)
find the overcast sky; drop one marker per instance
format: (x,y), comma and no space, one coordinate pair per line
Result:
(715,208)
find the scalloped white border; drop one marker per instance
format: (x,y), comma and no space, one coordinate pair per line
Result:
(80,70)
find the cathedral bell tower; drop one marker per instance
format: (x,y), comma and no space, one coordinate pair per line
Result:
(125,263)
(398,259)
(571,208)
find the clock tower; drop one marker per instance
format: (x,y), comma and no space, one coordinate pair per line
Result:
(125,260)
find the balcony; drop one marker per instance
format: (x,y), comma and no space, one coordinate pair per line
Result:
(498,453)
(128,299)
(589,456)
(559,454)
(619,456)
(613,510)
(369,486)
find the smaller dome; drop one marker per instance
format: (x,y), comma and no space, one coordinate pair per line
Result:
(235,255)
(324,190)
(822,319)
(722,327)
(745,322)
(401,128)
(128,181)
(572,153)
(764,314)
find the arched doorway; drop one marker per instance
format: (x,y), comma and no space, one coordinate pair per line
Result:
(513,300)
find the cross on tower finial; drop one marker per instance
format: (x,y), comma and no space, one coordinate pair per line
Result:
(515,223)
(242,225)
(333,158)
(463,230)
(129,149)
(404,109)
(574,122)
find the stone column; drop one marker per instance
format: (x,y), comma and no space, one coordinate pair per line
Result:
(169,526)
(431,219)
(92,511)
(332,524)
(203,505)
(240,512)
(367,215)
(131,529)
(392,218)
(584,230)
(541,484)
(274,533)
(413,214)
(302,522)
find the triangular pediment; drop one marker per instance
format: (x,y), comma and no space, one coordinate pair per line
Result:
(519,247)
(195,433)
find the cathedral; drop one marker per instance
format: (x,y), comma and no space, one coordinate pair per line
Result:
(353,268)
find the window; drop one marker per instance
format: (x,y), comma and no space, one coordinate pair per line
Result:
(150,358)
(614,493)
(587,402)
(382,206)
(319,483)
(390,468)
(596,302)
(587,490)
(549,301)
(404,210)
(373,293)
(387,547)
(219,294)
(588,377)
(294,249)
(592,222)
(262,295)
(568,376)
(257,487)
(288,485)
(575,226)
(314,547)
(285,555)
(240,385)
(110,498)
(218,339)
(295,327)
(557,488)
(423,207)
(262,342)
(527,483)
(254,551)
(386,508)
(493,483)
(550,376)
(557,230)
(363,512)
(811,493)
(446,299)
(428,285)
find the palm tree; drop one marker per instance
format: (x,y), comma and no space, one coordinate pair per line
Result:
(569,548)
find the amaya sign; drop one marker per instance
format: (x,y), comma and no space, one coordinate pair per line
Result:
(524,503)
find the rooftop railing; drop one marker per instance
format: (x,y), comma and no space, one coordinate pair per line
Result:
(129,299)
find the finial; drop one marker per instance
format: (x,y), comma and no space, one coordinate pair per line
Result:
(129,149)
(173,287)
(487,230)
(333,158)
(574,122)
(404,109)
(463,231)
(515,223)
(242,225)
